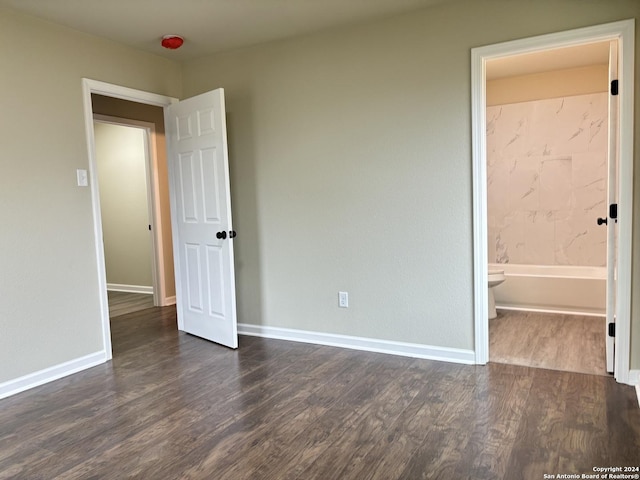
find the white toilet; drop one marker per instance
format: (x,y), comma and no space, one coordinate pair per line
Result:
(496,277)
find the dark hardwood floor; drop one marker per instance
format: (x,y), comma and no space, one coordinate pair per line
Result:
(121,303)
(173,406)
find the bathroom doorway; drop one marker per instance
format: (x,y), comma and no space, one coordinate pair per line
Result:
(547,146)
(542,213)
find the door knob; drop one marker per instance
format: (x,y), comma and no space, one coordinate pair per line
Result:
(602,221)
(221,235)
(232,234)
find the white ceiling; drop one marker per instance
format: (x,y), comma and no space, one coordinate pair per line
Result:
(208,26)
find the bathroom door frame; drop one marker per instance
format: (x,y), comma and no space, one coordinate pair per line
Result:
(624,33)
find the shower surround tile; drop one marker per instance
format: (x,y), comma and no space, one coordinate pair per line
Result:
(589,181)
(546,179)
(539,238)
(555,184)
(524,186)
(580,240)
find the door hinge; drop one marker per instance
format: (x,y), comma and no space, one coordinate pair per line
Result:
(613,211)
(612,329)
(614,87)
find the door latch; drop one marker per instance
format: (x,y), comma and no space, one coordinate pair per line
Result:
(613,212)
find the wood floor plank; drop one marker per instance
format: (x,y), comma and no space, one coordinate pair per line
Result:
(256,444)
(541,429)
(402,445)
(585,419)
(121,303)
(173,406)
(376,405)
(493,428)
(441,453)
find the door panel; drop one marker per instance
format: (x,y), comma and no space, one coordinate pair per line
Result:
(188,188)
(201,204)
(193,277)
(211,176)
(215,262)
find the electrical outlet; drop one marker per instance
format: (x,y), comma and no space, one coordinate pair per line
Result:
(343,299)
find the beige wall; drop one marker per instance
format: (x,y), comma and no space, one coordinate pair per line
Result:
(339,183)
(555,84)
(121,159)
(49,308)
(350,160)
(152,114)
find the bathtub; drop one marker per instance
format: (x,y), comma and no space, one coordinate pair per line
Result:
(562,289)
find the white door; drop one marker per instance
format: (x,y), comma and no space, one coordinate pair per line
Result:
(612,163)
(201,217)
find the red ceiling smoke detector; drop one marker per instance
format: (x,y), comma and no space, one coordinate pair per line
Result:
(172,41)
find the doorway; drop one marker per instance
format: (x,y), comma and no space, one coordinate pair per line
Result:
(547,146)
(95,90)
(200,196)
(622,32)
(124,166)
(150,119)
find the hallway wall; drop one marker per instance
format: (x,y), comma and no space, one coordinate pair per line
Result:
(121,159)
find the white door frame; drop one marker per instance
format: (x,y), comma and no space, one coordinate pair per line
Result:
(153,198)
(623,31)
(101,88)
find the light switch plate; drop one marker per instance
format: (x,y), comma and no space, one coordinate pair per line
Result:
(83,178)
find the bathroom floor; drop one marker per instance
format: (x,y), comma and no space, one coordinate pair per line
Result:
(572,343)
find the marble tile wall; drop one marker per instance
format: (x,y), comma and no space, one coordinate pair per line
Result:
(547,181)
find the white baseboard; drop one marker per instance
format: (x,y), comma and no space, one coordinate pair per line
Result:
(414,350)
(550,310)
(50,374)
(169,301)
(119,287)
